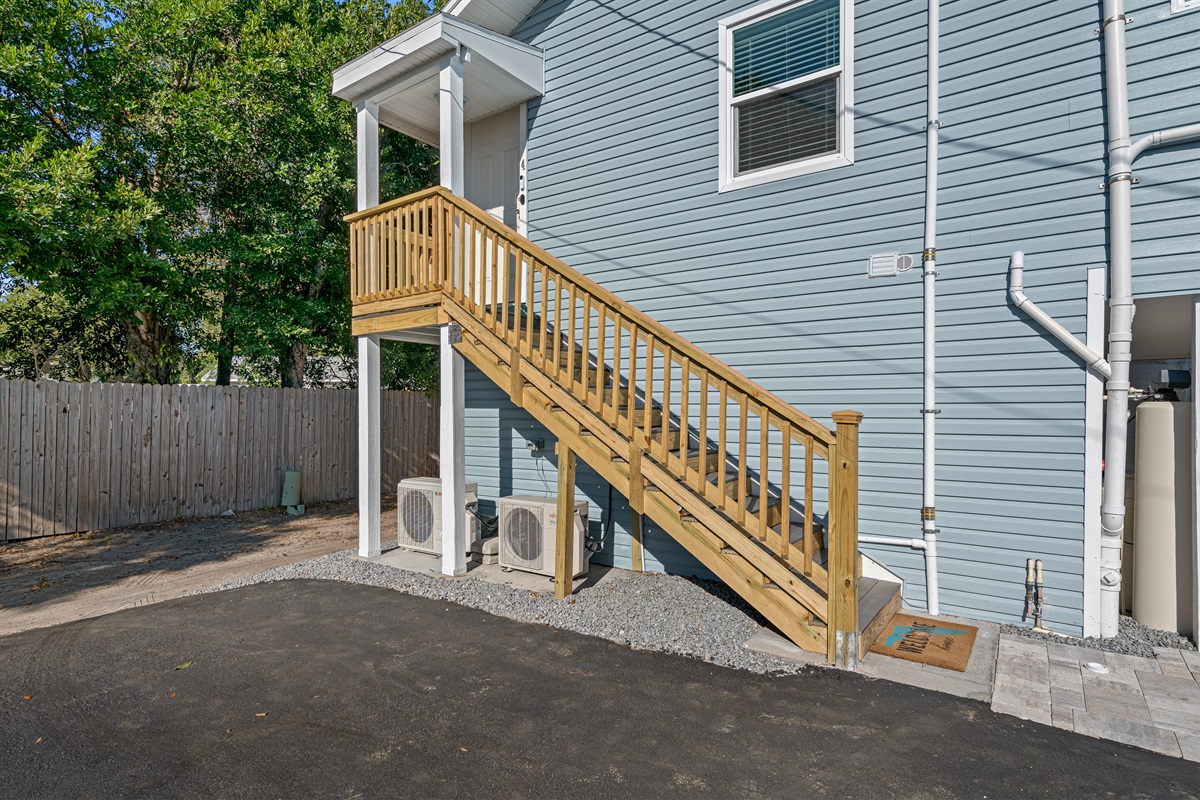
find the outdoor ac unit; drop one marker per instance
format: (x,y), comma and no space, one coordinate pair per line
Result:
(527,535)
(419,514)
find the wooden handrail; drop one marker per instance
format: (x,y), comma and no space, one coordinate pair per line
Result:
(608,356)
(698,356)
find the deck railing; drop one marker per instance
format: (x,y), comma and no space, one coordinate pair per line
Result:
(763,464)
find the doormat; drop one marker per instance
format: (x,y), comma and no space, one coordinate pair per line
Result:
(926,641)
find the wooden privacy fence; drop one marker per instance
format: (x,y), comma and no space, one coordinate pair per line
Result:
(89,456)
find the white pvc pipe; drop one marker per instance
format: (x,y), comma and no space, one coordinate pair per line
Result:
(929,262)
(1172,136)
(1120,280)
(1016,291)
(916,544)
(1121,310)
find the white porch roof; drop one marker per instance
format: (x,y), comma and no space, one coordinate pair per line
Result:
(401,75)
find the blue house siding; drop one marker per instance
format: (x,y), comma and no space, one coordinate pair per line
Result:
(771,279)
(496,456)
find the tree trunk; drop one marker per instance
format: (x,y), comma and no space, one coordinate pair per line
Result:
(225,346)
(291,365)
(147,344)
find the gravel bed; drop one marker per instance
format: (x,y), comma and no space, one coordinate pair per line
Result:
(1132,639)
(687,616)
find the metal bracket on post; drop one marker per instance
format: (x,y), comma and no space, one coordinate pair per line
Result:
(846,650)
(454,333)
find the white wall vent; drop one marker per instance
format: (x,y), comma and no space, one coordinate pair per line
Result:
(888,265)
(527,535)
(419,514)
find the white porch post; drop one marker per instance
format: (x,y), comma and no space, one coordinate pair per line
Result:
(451,130)
(369,472)
(369,476)
(452,455)
(454,517)
(368,155)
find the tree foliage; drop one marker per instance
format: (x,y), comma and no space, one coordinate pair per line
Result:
(176,171)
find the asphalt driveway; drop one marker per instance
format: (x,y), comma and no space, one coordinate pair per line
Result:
(322,689)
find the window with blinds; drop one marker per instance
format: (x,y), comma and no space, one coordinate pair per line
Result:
(785,82)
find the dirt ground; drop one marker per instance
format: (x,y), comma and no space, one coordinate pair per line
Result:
(64,578)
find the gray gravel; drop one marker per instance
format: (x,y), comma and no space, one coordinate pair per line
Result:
(692,617)
(1132,639)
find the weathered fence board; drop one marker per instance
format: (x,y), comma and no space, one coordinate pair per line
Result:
(89,456)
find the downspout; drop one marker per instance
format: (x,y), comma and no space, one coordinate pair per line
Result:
(1120,280)
(929,262)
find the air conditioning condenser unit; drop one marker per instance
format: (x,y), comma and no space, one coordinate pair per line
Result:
(527,535)
(419,514)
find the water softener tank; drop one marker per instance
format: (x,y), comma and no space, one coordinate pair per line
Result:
(1162,487)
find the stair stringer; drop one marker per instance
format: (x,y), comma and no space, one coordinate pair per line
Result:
(767,585)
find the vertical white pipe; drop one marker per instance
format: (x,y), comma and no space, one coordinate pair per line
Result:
(1120,278)
(929,260)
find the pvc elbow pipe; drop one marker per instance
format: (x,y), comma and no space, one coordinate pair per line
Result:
(1016,291)
(1159,138)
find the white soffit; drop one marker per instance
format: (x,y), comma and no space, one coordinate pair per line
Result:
(501,16)
(401,75)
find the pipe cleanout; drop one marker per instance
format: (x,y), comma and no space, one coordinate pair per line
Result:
(929,263)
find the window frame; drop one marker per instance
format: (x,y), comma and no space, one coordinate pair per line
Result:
(727,127)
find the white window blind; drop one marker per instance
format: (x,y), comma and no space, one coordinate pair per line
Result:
(785,87)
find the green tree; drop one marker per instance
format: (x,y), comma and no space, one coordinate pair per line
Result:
(180,170)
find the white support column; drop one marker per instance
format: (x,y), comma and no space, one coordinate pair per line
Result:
(368,155)
(452,456)
(369,474)
(451,107)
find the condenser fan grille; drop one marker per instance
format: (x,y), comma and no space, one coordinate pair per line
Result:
(416,514)
(523,537)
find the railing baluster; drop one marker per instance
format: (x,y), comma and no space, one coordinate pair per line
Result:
(702,437)
(608,400)
(685,387)
(668,367)
(544,316)
(586,356)
(530,284)
(764,456)
(743,454)
(648,389)
(810,538)
(785,490)
(570,376)
(631,382)
(597,404)
(722,441)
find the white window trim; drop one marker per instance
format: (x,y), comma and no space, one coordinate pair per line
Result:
(727,131)
(1184,5)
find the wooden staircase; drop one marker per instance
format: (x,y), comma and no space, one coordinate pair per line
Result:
(731,471)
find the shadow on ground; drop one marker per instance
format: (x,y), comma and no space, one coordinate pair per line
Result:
(43,570)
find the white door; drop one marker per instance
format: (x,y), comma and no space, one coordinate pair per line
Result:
(493,156)
(494,163)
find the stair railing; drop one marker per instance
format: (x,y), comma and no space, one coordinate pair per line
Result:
(763,464)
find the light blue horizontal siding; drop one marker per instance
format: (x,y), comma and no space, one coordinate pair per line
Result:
(495,432)
(622,182)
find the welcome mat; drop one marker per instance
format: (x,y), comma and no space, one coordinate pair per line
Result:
(926,641)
